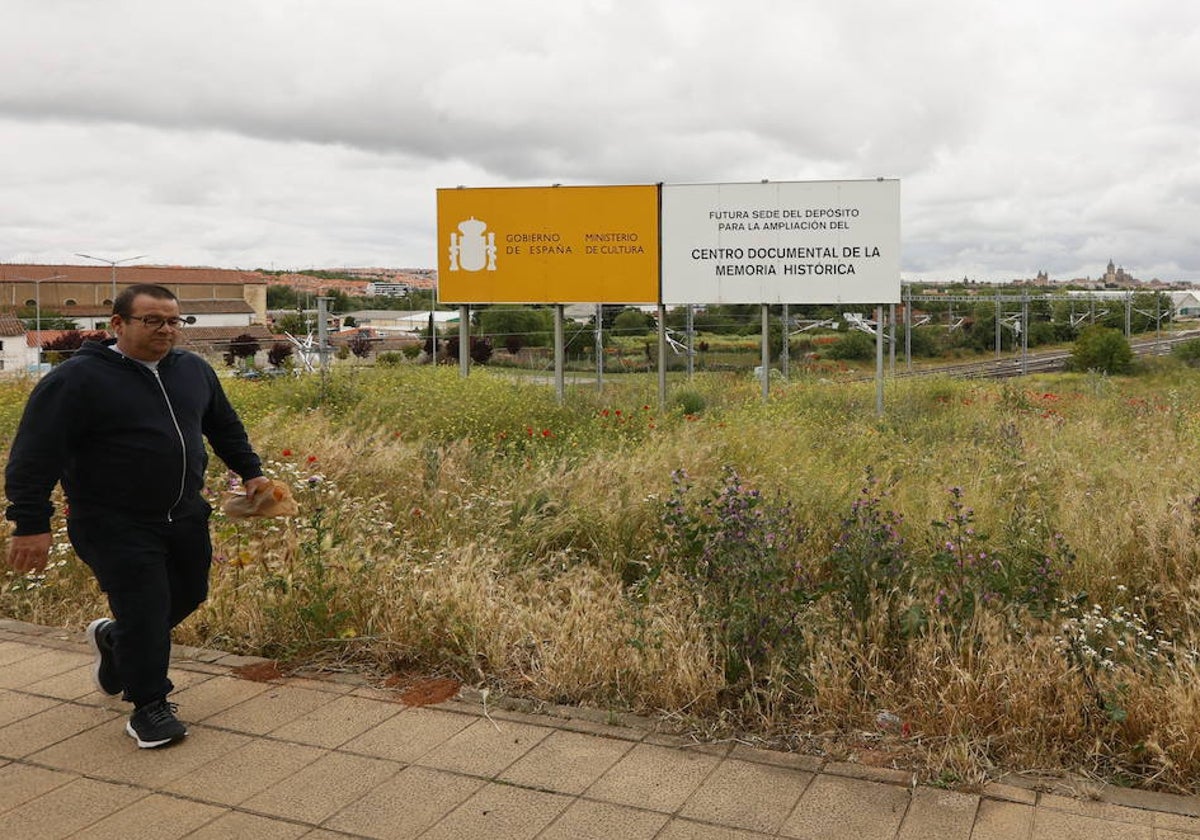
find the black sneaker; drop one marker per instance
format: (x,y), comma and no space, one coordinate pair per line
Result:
(155,725)
(105,673)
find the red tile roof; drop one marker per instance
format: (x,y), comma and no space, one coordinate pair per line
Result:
(167,275)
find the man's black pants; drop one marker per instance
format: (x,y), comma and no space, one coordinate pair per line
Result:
(155,575)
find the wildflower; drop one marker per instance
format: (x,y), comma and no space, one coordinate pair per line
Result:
(312,459)
(287,453)
(547,433)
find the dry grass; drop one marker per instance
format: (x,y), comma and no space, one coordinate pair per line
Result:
(480,530)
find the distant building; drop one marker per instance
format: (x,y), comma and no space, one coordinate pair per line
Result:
(1114,276)
(385,321)
(388,289)
(87,291)
(16,355)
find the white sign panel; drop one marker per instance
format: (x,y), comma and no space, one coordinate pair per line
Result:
(787,242)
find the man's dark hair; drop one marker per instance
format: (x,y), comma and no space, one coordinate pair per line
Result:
(123,305)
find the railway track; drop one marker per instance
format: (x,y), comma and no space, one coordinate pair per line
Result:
(1047,362)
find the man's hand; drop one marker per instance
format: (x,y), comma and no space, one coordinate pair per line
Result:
(255,485)
(29,553)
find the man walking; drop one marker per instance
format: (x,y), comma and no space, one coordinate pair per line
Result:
(122,425)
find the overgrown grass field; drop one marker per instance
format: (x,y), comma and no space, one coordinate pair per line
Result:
(991,576)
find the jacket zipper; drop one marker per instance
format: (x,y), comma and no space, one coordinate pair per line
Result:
(182,445)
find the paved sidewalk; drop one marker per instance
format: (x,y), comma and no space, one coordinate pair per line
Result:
(305,758)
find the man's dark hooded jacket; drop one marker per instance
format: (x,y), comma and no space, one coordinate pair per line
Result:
(122,437)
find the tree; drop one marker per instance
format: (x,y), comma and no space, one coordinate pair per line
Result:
(526,326)
(360,344)
(633,321)
(48,321)
(853,345)
(293,323)
(1102,349)
(282,297)
(64,346)
(245,346)
(480,349)
(279,353)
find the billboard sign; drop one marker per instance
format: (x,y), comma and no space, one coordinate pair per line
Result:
(818,242)
(548,245)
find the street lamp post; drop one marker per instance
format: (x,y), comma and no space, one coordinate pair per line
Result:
(37,310)
(114,264)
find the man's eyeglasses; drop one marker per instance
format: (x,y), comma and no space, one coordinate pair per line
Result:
(154,322)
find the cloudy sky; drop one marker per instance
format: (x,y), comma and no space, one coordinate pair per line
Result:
(1027,134)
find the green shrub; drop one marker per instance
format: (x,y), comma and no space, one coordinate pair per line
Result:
(1102,349)
(1188,352)
(854,346)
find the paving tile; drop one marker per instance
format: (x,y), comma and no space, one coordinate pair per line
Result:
(154,816)
(1177,822)
(649,776)
(939,813)
(337,722)
(996,820)
(742,794)
(322,788)
(595,727)
(107,752)
(566,762)
(15,705)
(235,825)
(1059,825)
(841,808)
(681,829)
(266,712)
(73,684)
(201,701)
(12,652)
(796,761)
(500,812)
(587,820)
(58,723)
(1150,800)
(21,782)
(1011,793)
(484,748)
(65,811)
(406,804)
(1094,808)
(47,663)
(244,771)
(409,735)
(315,684)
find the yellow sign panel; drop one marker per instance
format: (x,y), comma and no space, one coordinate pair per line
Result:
(548,245)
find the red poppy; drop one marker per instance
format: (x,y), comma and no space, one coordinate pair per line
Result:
(546,433)
(311,459)
(287,453)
